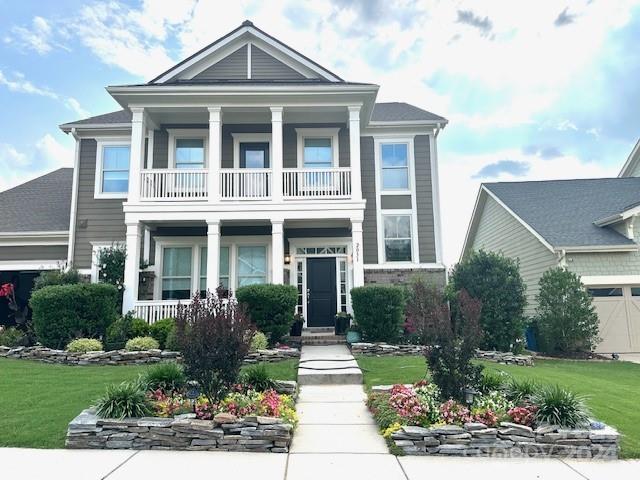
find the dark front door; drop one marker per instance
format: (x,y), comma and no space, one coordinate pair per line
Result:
(321,295)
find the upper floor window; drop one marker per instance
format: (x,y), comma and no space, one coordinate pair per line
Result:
(395,166)
(187,148)
(397,238)
(317,148)
(112,169)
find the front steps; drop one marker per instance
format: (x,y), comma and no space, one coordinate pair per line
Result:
(318,336)
(328,365)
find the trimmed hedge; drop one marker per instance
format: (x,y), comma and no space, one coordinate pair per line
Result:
(271,308)
(161,329)
(378,312)
(64,312)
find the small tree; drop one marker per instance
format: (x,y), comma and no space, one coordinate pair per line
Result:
(110,262)
(424,311)
(566,319)
(457,337)
(494,280)
(214,335)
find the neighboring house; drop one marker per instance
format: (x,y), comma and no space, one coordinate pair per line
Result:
(587,226)
(251,150)
(34,231)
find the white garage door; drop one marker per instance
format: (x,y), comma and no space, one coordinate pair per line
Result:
(618,309)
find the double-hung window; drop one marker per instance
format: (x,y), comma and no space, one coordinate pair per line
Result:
(397,238)
(176,273)
(318,152)
(189,153)
(112,169)
(251,265)
(395,166)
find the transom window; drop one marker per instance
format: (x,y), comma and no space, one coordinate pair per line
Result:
(395,166)
(321,250)
(189,153)
(176,273)
(397,238)
(605,292)
(251,265)
(318,153)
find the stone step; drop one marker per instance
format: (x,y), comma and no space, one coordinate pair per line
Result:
(318,330)
(325,340)
(349,376)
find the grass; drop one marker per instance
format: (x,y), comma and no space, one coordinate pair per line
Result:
(38,400)
(611,389)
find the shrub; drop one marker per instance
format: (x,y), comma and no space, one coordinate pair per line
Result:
(258,342)
(84,345)
(378,311)
(57,277)
(12,337)
(257,377)
(138,344)
(457,338)
(172,341)
(123,329)
(490,382)
(565,317)
(424,302)
(214,337)
(270,307)
(161,329)
(165,376)
(494,280)
(64,312)
(561,407)
(521,391)
(127,399)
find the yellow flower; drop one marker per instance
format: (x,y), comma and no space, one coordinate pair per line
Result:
(391,429)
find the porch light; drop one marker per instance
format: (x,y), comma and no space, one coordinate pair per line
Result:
(287,259)
(469,395)
(193,392)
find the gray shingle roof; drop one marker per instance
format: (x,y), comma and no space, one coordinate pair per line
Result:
(402,112)
(40,205)
(120,116)
(563,211)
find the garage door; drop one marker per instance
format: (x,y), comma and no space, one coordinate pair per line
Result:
(618,309)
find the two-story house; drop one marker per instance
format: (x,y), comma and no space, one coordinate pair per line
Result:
(248,162)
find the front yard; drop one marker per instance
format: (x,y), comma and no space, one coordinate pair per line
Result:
(612,389)
(38,400)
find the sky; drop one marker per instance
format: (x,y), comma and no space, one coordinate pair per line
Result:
(533,90)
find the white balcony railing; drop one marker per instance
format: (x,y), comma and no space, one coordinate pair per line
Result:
(317,183)
(245,183)
(153,310)
(173,184)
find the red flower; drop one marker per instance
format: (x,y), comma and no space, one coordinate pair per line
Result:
(6,290)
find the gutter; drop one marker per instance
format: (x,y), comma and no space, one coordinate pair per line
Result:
(598,248)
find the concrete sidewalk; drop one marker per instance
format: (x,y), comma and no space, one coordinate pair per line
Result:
(32,464)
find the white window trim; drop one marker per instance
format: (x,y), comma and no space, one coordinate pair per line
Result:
(233,242)
(176,133)
(95,250)
(331,133)
(100,144)
(410,165)
(239,138)
(381,237)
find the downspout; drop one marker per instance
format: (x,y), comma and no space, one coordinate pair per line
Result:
(74,201)
(562,258)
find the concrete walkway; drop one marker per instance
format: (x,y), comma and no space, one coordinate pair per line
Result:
(328,364)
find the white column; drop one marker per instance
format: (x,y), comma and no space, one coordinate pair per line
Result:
(277,251)
(131,266)
(138,133)
(354,152)
(276,153)
(215,153)
(356,253)
(213,255)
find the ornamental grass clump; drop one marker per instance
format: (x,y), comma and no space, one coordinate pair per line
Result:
(166,377)
(521,391)
(557,406)
(257,378)
(127,399)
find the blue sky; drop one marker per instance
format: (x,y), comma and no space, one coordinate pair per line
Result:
(533,90)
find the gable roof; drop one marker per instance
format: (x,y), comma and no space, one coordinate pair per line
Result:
(632,165)
(564,212)
(402,112)
(249,30)
(40,205)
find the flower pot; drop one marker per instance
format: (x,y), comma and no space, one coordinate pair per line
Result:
(296,329)
(353,337)
(342,323)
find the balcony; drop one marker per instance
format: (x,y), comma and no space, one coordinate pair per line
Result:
(242,184)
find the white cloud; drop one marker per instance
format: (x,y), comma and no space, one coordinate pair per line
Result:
(74,105)
(39,37)
(20,85)
(54,153)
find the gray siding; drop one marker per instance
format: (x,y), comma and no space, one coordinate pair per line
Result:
(395,202)
(498,231)
(227,138)
(403,276)
(34,253)
(424,199)
(369,225)
(265,67)
(232,67)
(160,149)
(104,217)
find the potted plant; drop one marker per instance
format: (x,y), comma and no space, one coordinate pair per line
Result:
(342,322)
(354,334)
(296,326)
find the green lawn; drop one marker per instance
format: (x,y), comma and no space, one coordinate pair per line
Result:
(612,389)
(38,400)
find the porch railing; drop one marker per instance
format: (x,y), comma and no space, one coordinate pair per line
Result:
(317,183)
(153,310)
(173,184)
(245,183)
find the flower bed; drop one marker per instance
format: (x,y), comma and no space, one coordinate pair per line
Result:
(416,421)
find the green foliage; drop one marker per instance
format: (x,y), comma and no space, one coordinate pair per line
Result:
(64,312)
(565,317)
(521,391)
(84,345)
(378,312)
(494,280)
(110,262)
(166,376)
(258,342)
(123,329)
(124,400)
(172,341)
(12,337)
(491,381)
(138,344)
(257,377)
(384,414)
(161,329)
(425,307)
(558,406)
(214,335)
(57,277)
(270,307)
